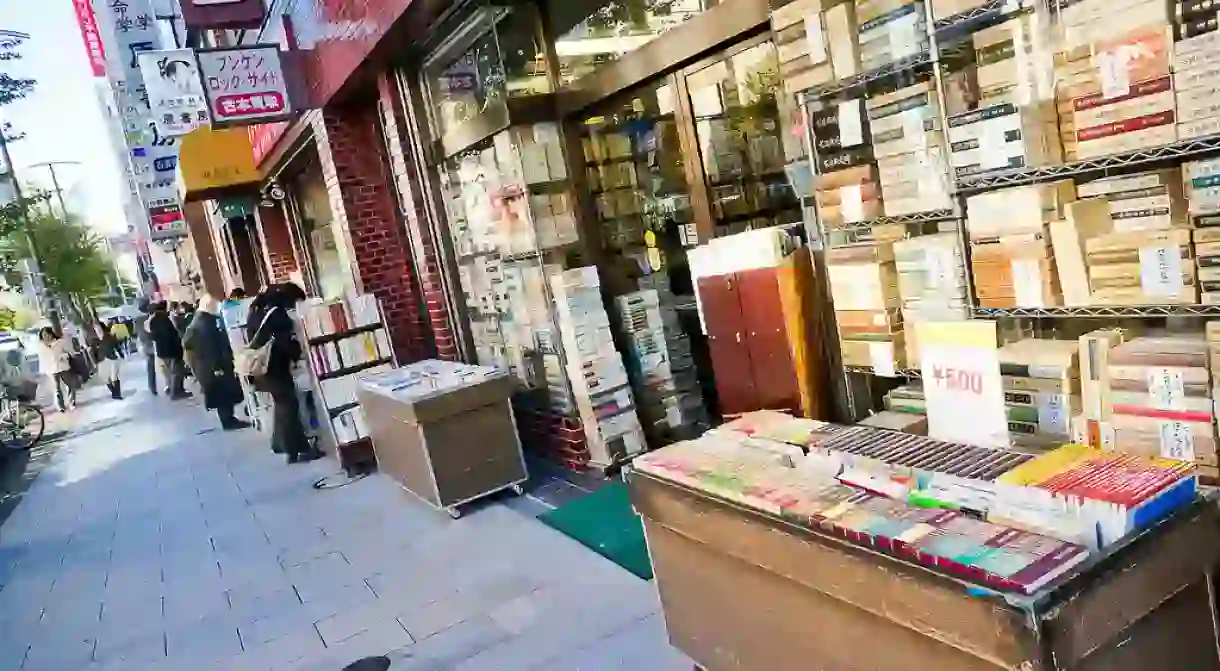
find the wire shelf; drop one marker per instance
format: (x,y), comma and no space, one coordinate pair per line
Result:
(1101,164)
(913,218)
(973,20)
(1146,311)
(910,373)
(863,79)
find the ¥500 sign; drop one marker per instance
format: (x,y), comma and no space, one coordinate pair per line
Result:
(962,383)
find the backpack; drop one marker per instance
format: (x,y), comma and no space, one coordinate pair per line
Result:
(254,361)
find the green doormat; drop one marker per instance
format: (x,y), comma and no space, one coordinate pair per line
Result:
(605,523)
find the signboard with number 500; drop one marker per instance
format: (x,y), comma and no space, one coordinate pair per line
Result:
(245,85)
(962,384)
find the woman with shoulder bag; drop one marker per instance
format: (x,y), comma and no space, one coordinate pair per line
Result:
(55,363)
(108,359)
(270,325)
(210,357)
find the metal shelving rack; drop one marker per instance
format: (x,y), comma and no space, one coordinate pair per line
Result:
(945,39)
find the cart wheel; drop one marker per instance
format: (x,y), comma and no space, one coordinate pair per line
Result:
(453,512)
(518,490)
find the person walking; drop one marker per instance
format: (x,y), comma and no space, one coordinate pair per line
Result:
(168,345)
(108,349)
(53,362)
(122,334)
(269,321)
(142,334)
(210,356)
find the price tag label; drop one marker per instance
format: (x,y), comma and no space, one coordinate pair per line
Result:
(962,383)
(940,264)
(852,203)
(881,355)
(851,131)
(1177,441)
(814,39)
(1115,79)
(1027,281)
(1167,389)
(1161,271)
(1052,413)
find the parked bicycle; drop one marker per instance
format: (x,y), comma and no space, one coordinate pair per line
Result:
(21,421)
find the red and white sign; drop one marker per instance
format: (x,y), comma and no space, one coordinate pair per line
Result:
(263,137)
(166,220)
(245,85)
(962,385)
(94,48)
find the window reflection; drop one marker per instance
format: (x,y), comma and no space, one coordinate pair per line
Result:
(468,86)
(594,32)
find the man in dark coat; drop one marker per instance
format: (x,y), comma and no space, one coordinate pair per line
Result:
(211,358)
(168,345)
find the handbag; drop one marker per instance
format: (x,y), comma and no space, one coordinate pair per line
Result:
(254,361)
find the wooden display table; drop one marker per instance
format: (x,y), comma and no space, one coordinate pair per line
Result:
(743,590)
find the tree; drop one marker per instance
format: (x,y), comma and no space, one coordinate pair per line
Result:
(12,88)
(74,262)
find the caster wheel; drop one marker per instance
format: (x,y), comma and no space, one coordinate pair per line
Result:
(454,512)
(518,490)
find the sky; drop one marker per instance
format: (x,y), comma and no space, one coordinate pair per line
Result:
(62,119)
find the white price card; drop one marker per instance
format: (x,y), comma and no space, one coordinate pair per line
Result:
(881,355)
(1052,413)
(939,262)
(962,384)
(1027,281)
(851,130)
(1177,441)
(814,39)
(1160,271)
(1115,79)
(1167,389)
(851,203)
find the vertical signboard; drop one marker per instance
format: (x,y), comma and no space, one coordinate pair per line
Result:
(245,85)
(94,49)
(153,156)
(961,382)
(175,94)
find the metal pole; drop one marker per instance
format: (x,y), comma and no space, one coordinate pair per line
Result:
(59,193)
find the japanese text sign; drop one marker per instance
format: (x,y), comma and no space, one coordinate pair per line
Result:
(92,37)
(962,383)
(245,85)
(175,93)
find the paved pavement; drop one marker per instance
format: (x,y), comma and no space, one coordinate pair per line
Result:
(152,540)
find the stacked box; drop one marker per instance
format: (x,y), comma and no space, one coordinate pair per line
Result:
(931,283)
(1207,264)
(842,31)
(1092,426)
(909,144)
(1161,395)
(908,398)
(1202,186)
(1196,69)
(661,365)
(1083,219)
(1142,268)
(943,9)
(847,188)
(1115,94)
(1148,201)
(598,379)
(802,39)
(864,288)
(904,422)
(1041,390)
(890,30)
(1011,252)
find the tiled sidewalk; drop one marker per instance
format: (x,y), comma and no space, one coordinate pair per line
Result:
(155,541)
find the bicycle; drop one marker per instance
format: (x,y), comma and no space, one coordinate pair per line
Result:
(21,422)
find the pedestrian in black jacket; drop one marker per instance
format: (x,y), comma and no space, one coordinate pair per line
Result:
(269,321)
(108,359)
(211,359)
(168,346)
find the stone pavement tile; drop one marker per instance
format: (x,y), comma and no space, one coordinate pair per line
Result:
(331,598)
(280,653)
(196,644)
(129,649)
(189,603)
(254,603)
(481,597)
(59,653)
(330,568)
(642,645)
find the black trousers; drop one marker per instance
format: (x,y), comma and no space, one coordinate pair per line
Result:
(287,432)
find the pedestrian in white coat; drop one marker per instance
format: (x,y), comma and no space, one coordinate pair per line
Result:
(53,361)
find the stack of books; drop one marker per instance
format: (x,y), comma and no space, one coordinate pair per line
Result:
(1160,391)
(1041,390)
(1142,268)
(598,379)
(890,31)
(1092,426)
(909,144)
(847,187)
(931,283)
(1011,251)
(864,287)
(1146,201)
(1202,182)
(801,41)
(907,398)
(1196,70)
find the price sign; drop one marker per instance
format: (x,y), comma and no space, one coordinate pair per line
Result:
(1166,388)
(1177,441)
(962,384)
(1161,271)
(1053,413)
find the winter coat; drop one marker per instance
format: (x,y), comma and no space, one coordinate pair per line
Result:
(211,358)
(281,330)
(108,347)
(53,357)
(165,336)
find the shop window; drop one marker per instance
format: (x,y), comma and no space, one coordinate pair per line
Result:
(743,145)
(594,32)
(316,219)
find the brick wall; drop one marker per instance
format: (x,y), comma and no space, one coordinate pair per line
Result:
(279,256)
(351,149)
(412,194)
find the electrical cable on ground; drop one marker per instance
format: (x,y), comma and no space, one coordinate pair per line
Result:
(325,482)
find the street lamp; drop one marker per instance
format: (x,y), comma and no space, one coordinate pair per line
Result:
(59,193)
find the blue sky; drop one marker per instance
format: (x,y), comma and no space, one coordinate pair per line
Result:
(62,120)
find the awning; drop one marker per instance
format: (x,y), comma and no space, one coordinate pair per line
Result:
(214,163)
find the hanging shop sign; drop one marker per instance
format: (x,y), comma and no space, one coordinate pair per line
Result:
(175,93)
(214,160)
(92,37)
(245,85)
(222,13)
(962,384)
(166,220)
(236,208)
